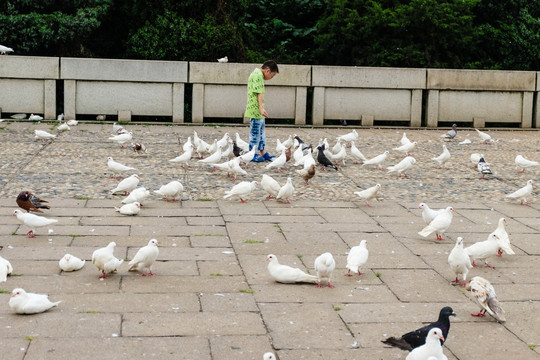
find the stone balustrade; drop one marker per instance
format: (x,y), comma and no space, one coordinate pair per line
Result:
(368,95)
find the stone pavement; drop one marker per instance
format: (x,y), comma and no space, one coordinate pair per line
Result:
(213,297)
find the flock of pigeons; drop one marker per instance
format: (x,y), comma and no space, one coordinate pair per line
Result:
(423,343)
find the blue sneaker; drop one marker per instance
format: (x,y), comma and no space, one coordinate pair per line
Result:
(257,158)
(268,157)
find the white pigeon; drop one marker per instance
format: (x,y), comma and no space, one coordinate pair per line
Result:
(324,266)
(521,194)
(340,156)
(139,195)
(241,143)
(145,258)
(356,154)
(439,224)
(402,166)
(22,302)
(369,193)
(269,356)
(19,116)
(122,138)
(352,136)
(32,221)
(202,147)
(73,122)
(428,214)
(377,160)
(223,59)
(117,167)
(185,157)
(270,185)
(71,263)
(404,140)
(286,191)
(289,142)
(43,135)
(504,239)
(129,209)
(484,249)
(127,185)
(4,50)
(118,129)
(298,155)
(242,189)
(35,117)
(236,168)
(407,147)
(286,274)
(247,157)
(212,158)
(485,137)
(223,141)
(523,163)
(60,117)
(171,190)
(105,261)
(337,147)
(187,145)
(101,117)
(63,127)
(279,146)
(459,262)
(475,158)
(278,162)
(444,157)
(5,269)
(431,349)
(213,147)
(358,256)
(485,296)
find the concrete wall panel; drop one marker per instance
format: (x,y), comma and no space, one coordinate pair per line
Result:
(29,67)
(351,104)
(124,70)
(236,73)
(485,80)
(464,106)
(19,95)
(97,97)
(368,77)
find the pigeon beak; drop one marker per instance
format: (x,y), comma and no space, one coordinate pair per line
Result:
(453,314)
(441,337)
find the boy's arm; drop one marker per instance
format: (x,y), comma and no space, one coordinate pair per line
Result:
(261,108)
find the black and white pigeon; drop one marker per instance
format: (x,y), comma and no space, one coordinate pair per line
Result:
(323,160)
(451,134)
(417,338)
(483,168)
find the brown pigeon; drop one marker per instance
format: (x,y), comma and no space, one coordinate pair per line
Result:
(30,202)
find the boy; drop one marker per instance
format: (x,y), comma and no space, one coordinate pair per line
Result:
(255,108)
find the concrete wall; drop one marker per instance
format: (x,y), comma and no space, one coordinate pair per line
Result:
(157,88)
(28,85)
(480,96)
(219,90)
(367,94)
(124,87)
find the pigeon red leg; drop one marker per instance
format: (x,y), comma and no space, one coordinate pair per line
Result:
(103,275)
(348,273)
(480,314)
(151,273)
(456,281)
(330,285)
(31,234)
(319,285)
(499,252)
(473,264)
(521,171)
(269,197)
(243,201)
(490,266)
(286,202)
(360,273)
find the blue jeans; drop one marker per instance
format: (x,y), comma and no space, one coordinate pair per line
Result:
(257,137)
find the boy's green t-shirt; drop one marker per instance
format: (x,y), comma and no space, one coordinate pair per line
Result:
(255,86)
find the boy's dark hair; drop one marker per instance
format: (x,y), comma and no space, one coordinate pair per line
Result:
(270,64)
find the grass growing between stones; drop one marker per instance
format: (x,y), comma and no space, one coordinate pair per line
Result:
(251,241)
(245,291)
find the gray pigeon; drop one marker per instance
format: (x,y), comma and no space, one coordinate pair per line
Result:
(483,168)
(451,134)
